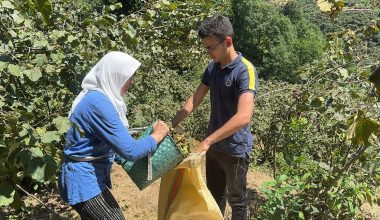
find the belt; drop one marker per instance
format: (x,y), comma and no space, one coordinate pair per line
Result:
(90,158)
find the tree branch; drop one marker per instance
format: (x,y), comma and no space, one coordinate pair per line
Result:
(27,193)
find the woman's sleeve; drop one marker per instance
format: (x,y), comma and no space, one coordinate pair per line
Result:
(106,125)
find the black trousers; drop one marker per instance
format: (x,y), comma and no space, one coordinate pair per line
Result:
(227,179)
(101,207)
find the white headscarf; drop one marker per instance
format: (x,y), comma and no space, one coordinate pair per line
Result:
(108,76)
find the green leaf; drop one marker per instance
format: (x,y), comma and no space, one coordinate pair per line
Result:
(34,74)
(281,178)
(62,124)
(285,189)
(57,34)
(4,172)
(375,77)
(16,18)
(338,206)
(3,65)
(26,116)
(71,38)
(165,2)
(268,184)
(50,68)
(42,169)
(36,152)
(20,175)
(152,13)
(2,144)
(324,166)
(15,70)
(306,175)
(78,128)
(12,148)
(317,102)
(132,30)
(173,6)
(57,57)
(301,215)
(118,5)
(6,194)
(7,4)
(369,197)
(13,34)
(40,60)
(44,7)
(361,129)
(40,130)
(17,202)
(40,43)
(157,5)
(108,20)
(25,130)
(343,72)
(50,136)
(366,73)
(351,206)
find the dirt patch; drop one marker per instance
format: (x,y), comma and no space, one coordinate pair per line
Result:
(255,178)
(52,208)
(371,212)
(134,203)
(137,204)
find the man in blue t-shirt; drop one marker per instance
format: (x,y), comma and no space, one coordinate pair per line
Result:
(232,81)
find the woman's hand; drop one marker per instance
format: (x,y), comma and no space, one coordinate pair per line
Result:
(160,130)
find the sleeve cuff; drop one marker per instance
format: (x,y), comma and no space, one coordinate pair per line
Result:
(153,143)
(249,90)
(119,160)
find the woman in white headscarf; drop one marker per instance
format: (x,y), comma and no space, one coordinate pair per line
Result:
(99,129)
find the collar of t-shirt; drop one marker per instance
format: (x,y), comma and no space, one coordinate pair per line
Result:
(234,62)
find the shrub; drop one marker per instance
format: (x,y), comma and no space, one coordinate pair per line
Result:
(276,44)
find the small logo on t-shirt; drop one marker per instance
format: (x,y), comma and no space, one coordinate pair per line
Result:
(228,82)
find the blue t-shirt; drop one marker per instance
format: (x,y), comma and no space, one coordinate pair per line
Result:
(226,85)
(98,131)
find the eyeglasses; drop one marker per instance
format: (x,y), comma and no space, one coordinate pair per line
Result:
(210,49)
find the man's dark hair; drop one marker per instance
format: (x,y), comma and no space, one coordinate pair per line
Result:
(218,26)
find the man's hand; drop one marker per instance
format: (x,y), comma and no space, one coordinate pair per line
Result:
(203,146)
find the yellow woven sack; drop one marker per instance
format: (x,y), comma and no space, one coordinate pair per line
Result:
(184,194)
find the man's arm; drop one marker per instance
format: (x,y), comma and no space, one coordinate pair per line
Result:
(191,104)
(242,118)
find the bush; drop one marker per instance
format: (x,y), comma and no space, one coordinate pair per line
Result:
(47,50)
(276,44)
(345,19)
(309,191)
(322,137)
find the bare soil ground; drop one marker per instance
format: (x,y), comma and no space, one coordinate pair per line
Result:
(134,203)
(137,204)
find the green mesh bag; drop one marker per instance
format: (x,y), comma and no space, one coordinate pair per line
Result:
(165,158)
